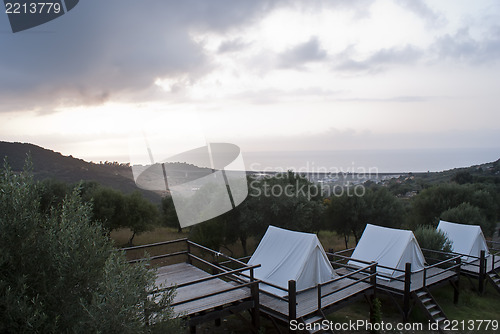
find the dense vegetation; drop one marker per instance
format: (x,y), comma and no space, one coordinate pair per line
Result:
(59,272)
(290,201)
(467,195)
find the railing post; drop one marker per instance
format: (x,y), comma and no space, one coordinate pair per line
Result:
(456,292)
(319,296)
(330,257)
(254,290)
(482,271)
(492,262)
(292,301)
(373,283)
(424,283)
(189,261)
(406,297)
(373,279)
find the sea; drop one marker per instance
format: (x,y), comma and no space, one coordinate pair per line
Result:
(369,161)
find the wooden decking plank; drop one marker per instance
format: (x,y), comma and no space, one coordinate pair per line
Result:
(307,301)
(473,266)
(182,273)
(417,279)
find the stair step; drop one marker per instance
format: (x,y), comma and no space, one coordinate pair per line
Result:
(313,319)
(425,300)
(440,319)
(421,293)
(433,313)
(430,306)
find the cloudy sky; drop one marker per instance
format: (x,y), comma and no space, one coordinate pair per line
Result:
(267,75)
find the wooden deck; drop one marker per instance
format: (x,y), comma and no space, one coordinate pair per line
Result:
(307,300)
(473,267)
(417,279)
(182,273)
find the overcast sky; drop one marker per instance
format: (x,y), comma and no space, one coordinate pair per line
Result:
(265,75)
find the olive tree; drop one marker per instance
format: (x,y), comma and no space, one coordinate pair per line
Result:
(59,273)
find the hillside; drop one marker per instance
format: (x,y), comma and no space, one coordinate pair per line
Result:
(48,164)
(489,171)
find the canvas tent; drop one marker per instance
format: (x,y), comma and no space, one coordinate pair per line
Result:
(288,255)
(466,239)
(388,247)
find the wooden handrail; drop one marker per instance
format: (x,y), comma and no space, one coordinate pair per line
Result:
(350,284)
(208,278)
(152,245)
(156,257)
(215,293)
(368,262)
(339,252)
(445,261)
(215,253)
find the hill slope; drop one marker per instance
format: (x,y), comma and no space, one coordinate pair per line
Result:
(48,164)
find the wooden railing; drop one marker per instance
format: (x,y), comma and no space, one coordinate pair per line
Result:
(218,271)
(453,263)
(494,248)
(346,259)
(370,278)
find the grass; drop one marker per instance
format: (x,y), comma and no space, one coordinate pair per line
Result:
(122,236)
(470,306)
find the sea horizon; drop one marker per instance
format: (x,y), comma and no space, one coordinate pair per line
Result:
(370,161)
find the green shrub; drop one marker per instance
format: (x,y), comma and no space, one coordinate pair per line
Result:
(60,273)
(430,238)
(466,213)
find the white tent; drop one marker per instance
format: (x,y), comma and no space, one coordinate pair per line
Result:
(467,239)
(388,247)
(287,255)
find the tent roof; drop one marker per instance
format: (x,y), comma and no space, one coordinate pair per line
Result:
(467,239)
(288,255)
(388,247)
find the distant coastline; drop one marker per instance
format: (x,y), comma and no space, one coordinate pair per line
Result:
(363,161)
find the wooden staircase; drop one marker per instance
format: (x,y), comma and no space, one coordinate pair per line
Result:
(430,307)
(314,321)
(494,278)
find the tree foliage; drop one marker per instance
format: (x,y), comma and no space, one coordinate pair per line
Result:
(431,203)
(466,213)
(286,200)
(59,273)
(168,214)
(349,213)
(430,238)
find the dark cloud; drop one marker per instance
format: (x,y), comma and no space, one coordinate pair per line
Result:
(111,49)
(463,47)
(302,54)
(420,8)
(378,61)
(233,45)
